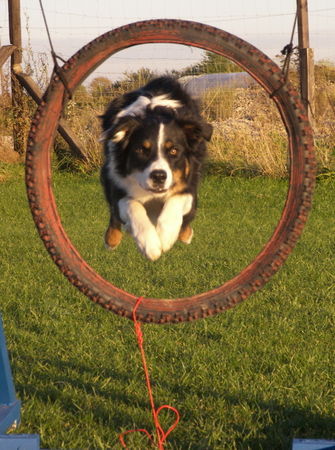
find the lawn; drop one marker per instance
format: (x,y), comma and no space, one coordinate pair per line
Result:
(253,377)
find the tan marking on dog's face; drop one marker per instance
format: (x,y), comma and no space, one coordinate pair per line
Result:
(147,144)
(179,182)
(187,168)
(113,237)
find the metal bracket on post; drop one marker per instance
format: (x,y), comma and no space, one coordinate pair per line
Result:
(10,406)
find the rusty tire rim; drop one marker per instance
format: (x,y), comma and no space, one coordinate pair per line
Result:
(298,200)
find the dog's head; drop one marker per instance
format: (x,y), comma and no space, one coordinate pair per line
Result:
(155,140)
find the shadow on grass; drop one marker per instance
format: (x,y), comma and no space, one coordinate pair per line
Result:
(272,425)
(60,384)
(285,423)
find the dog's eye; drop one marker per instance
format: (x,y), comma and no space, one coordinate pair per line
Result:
(173,152)
(142,151)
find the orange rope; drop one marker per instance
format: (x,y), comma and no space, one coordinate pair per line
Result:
(161,435)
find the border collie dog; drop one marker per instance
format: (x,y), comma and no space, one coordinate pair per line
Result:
(154,142)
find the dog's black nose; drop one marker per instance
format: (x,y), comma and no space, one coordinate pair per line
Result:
(158,176)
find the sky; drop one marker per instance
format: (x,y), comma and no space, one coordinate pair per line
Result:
(267,24)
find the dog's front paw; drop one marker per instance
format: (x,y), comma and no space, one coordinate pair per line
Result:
(113,238)
(186,235)
(168,232)
(148,242)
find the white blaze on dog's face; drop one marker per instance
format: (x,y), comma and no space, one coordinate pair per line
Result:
(157,176)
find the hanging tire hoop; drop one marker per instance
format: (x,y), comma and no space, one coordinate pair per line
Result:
(294,214)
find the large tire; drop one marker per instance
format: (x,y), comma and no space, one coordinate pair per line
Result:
(294,214)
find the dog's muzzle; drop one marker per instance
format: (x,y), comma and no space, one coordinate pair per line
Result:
(158,179)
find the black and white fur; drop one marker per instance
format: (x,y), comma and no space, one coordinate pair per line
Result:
(154,141)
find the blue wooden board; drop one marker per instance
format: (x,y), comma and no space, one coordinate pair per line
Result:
(9,416)
(312,444)
(19,442)
(9,405)
(7,391)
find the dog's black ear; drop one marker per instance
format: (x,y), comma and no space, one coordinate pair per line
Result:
(121,131)
(195,131)
(110,115)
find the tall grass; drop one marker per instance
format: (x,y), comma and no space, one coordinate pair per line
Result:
(248,133)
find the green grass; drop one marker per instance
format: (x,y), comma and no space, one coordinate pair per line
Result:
(251,378)
(226,225)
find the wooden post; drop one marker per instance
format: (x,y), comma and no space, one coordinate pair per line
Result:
(36,94)
(5,52)
(306,59)
(20,80)
(14,13)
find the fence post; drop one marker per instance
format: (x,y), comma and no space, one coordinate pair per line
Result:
(14,13)
(306,59)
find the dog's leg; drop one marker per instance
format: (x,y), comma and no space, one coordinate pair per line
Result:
(134,215)
(113,233)
(186,234)
(171,219)
(113,237)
